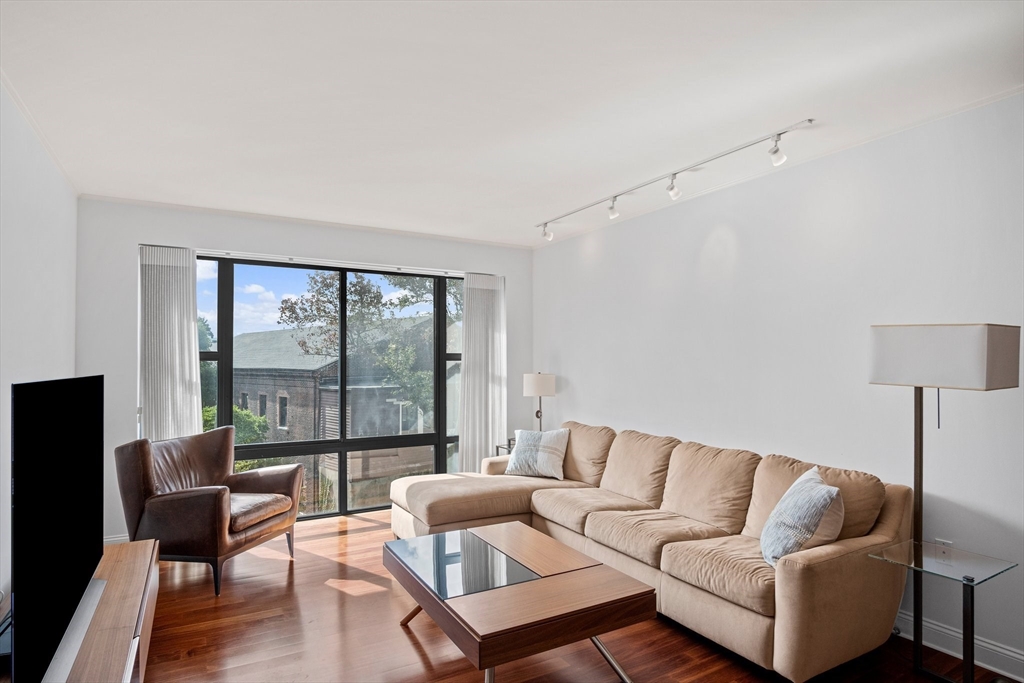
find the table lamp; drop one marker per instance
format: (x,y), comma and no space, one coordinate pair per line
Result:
(973,357)
(539,385)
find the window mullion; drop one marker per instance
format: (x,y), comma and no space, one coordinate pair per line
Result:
(440,361)
(225,335)
(342,493)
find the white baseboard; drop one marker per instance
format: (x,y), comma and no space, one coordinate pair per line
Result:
(111,540)
(993,656)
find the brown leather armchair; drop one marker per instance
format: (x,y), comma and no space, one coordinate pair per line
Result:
(184,492)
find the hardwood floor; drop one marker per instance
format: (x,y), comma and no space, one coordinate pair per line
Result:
(333,615)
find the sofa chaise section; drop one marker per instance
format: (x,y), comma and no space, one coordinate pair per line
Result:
(433,503)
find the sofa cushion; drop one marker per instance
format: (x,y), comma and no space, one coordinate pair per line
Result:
(570,508)
(710,485)
(642,534)
(637,466)
(587,452)
(731,567)
(437,499)
(863,494)
(252,508)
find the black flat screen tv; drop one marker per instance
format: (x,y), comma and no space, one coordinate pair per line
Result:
(56,512)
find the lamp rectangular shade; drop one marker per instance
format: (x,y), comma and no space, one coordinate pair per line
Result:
(538,384)
(978,357)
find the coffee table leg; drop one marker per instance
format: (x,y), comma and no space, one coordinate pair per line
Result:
(489,675)
(619,671)
(409,617)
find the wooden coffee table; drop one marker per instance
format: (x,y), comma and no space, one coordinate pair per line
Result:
(507,591)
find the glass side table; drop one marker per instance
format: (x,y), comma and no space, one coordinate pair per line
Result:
(970,569)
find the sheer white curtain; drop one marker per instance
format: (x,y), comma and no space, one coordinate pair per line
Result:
(169,388)
(484,376)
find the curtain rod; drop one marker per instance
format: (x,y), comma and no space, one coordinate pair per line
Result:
(665,176)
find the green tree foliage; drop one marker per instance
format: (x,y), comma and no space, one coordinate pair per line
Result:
(207,371)
(249,428)
(206,338)
(209,418)
(378,335)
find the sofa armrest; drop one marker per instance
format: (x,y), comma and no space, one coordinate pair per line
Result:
(834,603)
(494,465)
(283,479)
(191,522)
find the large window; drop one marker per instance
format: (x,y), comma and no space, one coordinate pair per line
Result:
(278,342)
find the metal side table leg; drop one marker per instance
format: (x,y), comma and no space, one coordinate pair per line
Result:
(489,675)
(968,631)
(619,671)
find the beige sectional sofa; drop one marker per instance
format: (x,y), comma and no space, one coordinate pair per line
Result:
(686,519)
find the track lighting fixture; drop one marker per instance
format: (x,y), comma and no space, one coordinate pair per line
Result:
(613,213)
(778,158)
(673,191)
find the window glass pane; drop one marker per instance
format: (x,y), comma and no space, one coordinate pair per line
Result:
(370,473)
(206,303)
(208,391)
(319,480)
(453,386)
(453,304)
(453,457)
(286,354)
(390,355)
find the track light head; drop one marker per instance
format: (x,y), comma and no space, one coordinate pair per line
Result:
(673,191)
(778,158)
(613,213)
(548,235)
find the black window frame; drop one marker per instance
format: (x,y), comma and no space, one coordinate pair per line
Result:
(224,357)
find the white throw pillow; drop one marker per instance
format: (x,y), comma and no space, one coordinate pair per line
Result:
(538,454)
(809,514)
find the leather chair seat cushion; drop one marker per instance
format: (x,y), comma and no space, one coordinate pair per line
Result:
(248,509)
(731,567)
(437,499)
(570,508)
(641,534)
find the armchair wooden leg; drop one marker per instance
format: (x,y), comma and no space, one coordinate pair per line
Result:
(290,536)
(218,567)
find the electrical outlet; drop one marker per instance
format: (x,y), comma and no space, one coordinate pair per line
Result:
(944,551)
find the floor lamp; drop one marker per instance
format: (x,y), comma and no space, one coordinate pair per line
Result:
(974,357)
(540,385)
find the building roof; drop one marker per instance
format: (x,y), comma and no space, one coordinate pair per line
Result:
(275,349)
(279,350)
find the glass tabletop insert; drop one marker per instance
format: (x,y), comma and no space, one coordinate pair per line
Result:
(458,563)
(949,563)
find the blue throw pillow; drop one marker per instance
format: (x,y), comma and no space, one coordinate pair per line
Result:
(809,514)
(538,454)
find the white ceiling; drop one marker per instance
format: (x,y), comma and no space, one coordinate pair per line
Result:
(478,120)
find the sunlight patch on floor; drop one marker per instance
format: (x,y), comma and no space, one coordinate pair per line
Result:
(355,586)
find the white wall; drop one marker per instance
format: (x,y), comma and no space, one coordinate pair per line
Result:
(108,242)
(38,211)
(740,319)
